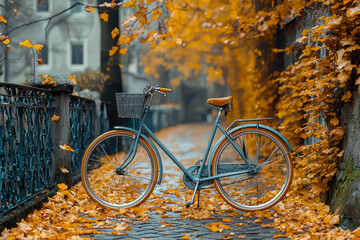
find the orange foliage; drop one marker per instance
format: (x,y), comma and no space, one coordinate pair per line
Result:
(229,42)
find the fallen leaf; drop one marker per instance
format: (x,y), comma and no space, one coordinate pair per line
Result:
(62,186)
(64,170)
(67,148)
(55,118)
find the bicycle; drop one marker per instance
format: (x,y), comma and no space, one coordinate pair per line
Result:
(250,165)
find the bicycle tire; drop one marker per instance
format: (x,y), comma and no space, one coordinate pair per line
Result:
(125,189)
(255,190)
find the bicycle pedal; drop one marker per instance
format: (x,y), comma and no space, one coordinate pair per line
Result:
(188,204)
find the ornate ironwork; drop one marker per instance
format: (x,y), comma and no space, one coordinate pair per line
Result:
(25,144)
(81,130)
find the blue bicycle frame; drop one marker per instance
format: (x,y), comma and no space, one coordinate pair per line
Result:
(196,178)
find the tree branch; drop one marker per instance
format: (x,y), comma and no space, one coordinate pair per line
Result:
(44,19)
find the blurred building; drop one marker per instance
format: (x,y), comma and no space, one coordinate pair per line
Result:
(71,39)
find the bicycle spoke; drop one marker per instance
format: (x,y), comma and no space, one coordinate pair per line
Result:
(108,188)
(107,156)
(267,180)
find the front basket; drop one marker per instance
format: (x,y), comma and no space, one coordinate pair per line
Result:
(130,105)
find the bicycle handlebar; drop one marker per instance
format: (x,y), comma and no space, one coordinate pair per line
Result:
(168,90)
(152,89)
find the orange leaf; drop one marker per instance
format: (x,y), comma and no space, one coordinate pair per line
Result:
(123,51)
(104,16)
(2,19)
(40,61)
(26,43)
(55,118)
(186,237)
(89,9)
(113,50)
(73,79)
(62,186)
(4,39)
(227,220)
(115,32)
(38,47)
(346,97)
(67,148)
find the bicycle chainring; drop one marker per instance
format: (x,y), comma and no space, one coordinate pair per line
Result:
(194,171)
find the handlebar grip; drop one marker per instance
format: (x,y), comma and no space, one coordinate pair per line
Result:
(168,90)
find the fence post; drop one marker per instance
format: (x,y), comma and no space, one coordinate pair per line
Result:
(61,135)
(60,130)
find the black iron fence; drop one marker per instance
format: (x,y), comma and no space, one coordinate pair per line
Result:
(31,160)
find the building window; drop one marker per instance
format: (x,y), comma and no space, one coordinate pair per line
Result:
(43,5)
(77,53)
(78,8)
(44,55)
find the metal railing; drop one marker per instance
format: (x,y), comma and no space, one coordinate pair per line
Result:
(28,165)
(81,129)
(25,144)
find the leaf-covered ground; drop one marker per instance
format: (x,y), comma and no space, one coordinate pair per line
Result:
(70,214)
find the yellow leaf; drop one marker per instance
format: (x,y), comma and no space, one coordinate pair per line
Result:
(2,19)
(48,80)
(213,228)
(257,221)
(67,148)
(104,16)
(123,51)
(64,170)
(55,118)
(6,41)
(113,50)
(26,43)
(89,9)
(38,47)
(62,186)
(73,79)
(115,32)
(186,237)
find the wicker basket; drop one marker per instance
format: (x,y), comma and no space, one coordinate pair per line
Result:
(130,105)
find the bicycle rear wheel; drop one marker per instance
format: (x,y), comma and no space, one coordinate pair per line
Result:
(116,187)
(271,169)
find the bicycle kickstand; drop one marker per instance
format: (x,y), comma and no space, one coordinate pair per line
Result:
(188,204)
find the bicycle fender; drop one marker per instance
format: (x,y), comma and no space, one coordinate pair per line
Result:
(241,127)
(160,173)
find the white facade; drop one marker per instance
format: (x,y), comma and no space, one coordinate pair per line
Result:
(71,40)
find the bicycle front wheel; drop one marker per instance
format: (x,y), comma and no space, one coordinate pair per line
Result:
(110,184)
(268,169)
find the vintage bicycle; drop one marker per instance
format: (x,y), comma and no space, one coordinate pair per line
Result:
(250,165)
